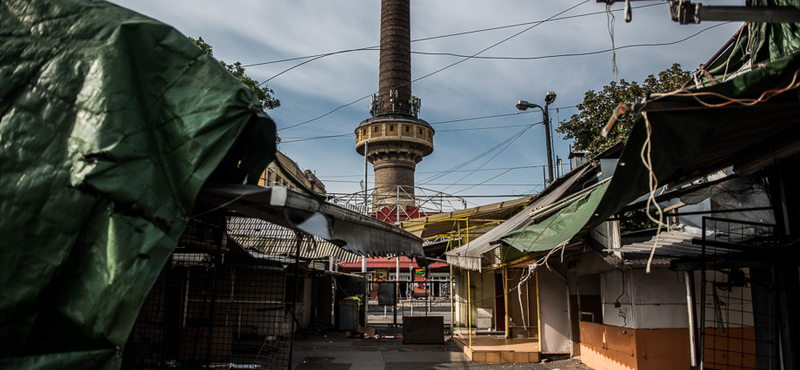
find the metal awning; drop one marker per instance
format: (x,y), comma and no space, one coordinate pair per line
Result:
(275,240)
(347,229)
(470,255)
(443,223)
(561,226)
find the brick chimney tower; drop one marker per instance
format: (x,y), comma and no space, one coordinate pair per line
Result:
(394,140)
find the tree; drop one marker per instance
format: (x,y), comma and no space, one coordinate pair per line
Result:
(584,128)
(265,95)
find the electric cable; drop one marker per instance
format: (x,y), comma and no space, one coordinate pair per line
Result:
(493,157)
(377,47)
(479,156)
(440,69)
(670,43)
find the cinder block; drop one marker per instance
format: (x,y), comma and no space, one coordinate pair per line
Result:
(493,356)
(507,357)
(521,357)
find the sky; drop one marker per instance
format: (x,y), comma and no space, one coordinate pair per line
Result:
(471,62)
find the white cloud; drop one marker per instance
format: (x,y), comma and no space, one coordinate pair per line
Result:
(271,30)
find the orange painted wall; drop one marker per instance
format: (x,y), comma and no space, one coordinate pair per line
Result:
(735,348)
(611,347)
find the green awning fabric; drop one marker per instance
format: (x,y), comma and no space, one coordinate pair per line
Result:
(558,228)
(758,42)
(690,139)
(110,123)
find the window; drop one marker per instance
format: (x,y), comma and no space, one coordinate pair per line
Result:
(376,128)
(391,128)
(420,131)
(408,129)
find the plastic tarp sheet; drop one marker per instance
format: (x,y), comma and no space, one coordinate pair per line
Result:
(110,123)
(349,230)
(690,139)
(758,42)
(470,255)
(558,228)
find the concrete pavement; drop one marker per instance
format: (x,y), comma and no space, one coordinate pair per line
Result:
(333,351)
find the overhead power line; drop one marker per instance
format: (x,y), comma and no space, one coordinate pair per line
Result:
(345,134)
(482,30)
(581,53)
(361,175)
(445,67)
(521,58)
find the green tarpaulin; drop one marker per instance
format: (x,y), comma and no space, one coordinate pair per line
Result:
(757,43)
(741,122)
(690,139)
(558,228)
(110,122)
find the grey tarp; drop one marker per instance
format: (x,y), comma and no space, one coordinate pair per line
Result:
(271,239)
(352,231)
(110,122)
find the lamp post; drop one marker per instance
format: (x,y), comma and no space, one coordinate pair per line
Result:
(548,99)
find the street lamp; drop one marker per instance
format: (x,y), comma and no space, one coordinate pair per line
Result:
(549,98)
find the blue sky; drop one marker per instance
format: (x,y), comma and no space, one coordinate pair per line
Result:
(528,59)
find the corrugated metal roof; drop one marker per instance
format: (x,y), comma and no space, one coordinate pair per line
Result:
(443,223)
(351,231)
(275,240)
(672,244)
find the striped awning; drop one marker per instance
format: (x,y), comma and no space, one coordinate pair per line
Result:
(274,240)
(349,230)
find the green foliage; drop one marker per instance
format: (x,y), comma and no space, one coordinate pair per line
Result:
(636,220)
(264,94)
(584,128)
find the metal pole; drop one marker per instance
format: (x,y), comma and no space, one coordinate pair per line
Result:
(452,296)
(688,278)
(549,148)
(538,312)
(505,300)
(396,286)
(299,237)
(397,205)
(469,312)
(366,204)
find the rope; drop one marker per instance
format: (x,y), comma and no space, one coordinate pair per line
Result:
(610,18)
(653,186)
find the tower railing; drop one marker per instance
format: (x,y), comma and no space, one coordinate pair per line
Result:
(394,203)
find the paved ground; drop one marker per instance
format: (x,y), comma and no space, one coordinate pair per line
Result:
(333,351)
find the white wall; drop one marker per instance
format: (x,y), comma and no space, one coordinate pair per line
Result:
(483,284)
(735,305)
(553,300)
(649,301)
